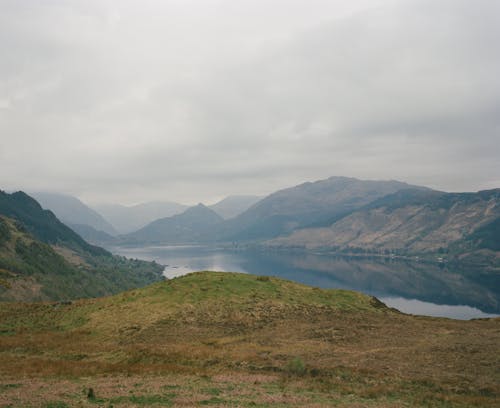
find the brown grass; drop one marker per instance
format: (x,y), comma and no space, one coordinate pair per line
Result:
(236,352)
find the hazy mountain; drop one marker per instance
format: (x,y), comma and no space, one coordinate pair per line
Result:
(41,258)
(413,222)
(92,235)
(127,219)
(193,225)
(316,203)
(71,210)
(232,206)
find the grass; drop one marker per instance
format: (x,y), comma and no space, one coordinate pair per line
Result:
(224,339)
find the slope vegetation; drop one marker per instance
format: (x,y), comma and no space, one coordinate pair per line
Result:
(41,258)
(242,340)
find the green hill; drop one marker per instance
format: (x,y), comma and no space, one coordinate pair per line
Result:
(43,259)
(228,339)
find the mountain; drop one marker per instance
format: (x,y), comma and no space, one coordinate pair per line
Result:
(193,225)
(71,211)
(93,236)
(316,203)
(43,259)
(43,224)
(128,219)
(232,206)
(411,222)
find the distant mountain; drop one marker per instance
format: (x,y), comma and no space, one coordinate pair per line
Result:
(411,222)
(193,225)
(232,206)
(93,236)
(318,203)
(70,210)
(43,259)
(128,219)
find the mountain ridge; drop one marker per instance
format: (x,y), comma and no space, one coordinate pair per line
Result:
(72,211)
(409,222)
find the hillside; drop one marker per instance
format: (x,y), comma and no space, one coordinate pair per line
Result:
(71,211)
(227,339)
(42,259)
(317,203)
(410,222)
(126,219)
(43,224)
(193,225)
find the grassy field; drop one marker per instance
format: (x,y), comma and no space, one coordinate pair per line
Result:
(235,340)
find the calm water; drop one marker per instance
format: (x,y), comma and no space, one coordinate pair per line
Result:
(412,287)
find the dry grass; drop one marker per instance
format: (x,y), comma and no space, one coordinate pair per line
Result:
(227,340)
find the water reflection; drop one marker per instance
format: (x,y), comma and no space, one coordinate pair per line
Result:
(431,309)
(412,287)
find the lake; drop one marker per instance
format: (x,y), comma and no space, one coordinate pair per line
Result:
(456,292)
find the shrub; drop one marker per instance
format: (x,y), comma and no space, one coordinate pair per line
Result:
(296,367)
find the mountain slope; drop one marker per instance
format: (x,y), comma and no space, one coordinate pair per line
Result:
(42,259)
(193,225)
(43,224)
(317,203)
(128,219)
(410,222)
(232,206)
(72,211)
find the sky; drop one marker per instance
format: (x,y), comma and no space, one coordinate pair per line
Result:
(192,100)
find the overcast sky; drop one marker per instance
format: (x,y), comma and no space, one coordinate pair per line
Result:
(192,100)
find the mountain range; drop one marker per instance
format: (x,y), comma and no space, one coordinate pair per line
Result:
(410,222)
(338,214)
(126,219)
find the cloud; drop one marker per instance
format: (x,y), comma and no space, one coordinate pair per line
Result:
(193,100)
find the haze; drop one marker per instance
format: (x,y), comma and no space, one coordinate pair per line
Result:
(192,100)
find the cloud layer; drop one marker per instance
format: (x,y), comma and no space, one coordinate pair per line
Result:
(192,100)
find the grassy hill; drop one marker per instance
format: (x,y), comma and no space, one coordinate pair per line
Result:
(43,259)
(227,339)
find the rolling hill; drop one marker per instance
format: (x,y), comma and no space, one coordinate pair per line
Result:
(227,339)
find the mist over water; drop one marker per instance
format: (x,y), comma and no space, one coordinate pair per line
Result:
(417,288)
